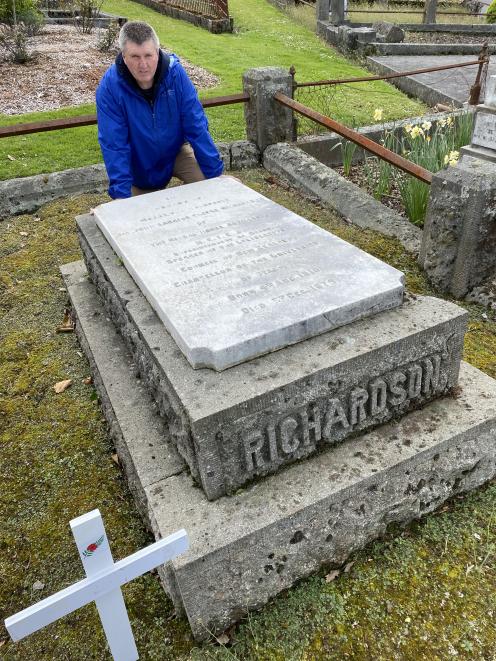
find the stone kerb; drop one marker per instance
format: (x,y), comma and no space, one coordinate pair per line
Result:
(267,122)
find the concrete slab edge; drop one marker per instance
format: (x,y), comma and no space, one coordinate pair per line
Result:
(413,87)
(27,194)
(247,548)
(346,198)
(425,49)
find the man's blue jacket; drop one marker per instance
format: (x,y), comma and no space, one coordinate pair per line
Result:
(140,140)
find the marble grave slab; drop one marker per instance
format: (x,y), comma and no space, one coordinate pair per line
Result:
(484,134)
(233,275)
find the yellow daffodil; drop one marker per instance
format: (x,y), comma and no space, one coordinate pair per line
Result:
(378,114)
(426,126)
(452,158)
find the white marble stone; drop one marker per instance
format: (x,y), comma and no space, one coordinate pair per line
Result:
(233,275)
(484,134)
(490,96)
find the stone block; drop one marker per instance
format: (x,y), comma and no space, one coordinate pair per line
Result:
(459,241)
(267,121)
(236,426)
(390,33)
(246,549)
(244,154)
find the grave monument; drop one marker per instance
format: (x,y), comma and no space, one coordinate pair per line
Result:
(303,403)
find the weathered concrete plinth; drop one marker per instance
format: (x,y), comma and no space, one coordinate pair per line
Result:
(250,420)
(459,239)
(248,547)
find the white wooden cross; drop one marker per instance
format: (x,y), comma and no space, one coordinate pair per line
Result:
(102,585)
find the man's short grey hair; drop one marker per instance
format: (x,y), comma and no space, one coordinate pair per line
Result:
(137,32)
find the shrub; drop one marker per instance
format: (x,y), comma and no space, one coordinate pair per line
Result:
(85,12)
(21,11)
(491,13)
(14,40)
(108,37)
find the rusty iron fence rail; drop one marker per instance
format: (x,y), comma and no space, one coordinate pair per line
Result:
(387,76)
(335,97)
(88,120)
(378,150)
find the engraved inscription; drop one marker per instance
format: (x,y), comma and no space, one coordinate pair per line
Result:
(233,275)
(484,134)
(306,428)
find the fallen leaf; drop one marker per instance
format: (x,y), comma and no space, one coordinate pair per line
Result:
(2,642)
(332,575)
(67,325)
(11,158)
(62,385)
(23,233)
(223,639)
(115,459)
(88,380)
(348,567)
(38,585)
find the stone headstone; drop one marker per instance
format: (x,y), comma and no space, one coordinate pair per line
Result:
(490,98)
(484,134)
(232,275)
(483,144)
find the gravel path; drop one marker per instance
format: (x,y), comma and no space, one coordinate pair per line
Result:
(65,73)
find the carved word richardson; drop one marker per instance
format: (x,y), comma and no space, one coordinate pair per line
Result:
(303,430)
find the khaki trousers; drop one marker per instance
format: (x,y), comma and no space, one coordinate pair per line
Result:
(186,169)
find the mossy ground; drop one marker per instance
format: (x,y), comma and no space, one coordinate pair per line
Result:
(427,592)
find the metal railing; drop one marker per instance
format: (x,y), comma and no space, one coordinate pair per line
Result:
(380,151)
(88,120)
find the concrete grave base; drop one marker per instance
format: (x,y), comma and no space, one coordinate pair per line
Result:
(236,426)
(247,548)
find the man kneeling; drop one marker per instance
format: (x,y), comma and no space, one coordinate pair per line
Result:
(151,124)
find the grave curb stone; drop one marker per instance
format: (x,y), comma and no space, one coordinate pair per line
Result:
(248,548)
(219,421)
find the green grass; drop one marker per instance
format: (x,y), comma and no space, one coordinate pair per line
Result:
(264,36)
(427,592)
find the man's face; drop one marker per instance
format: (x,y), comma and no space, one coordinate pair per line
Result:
(141,61)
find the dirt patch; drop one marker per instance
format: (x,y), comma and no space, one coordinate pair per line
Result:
(65,73)
(368,182)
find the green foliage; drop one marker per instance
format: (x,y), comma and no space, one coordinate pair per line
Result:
(14,40)
(108,38)
(21,11)
(433,149)
(347,150)
(491,13)
(85,12)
